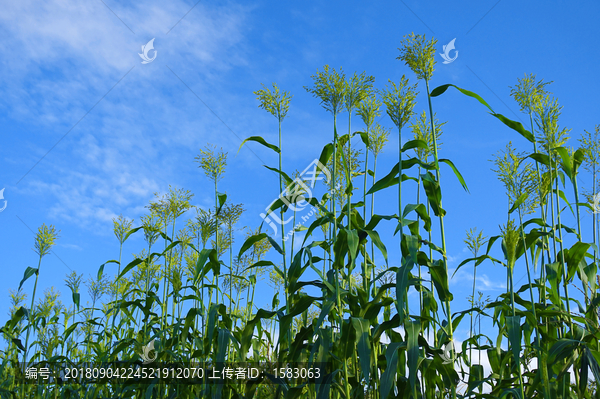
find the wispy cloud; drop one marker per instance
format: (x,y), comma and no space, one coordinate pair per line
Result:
(68,54)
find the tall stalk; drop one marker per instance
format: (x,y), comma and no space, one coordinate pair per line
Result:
(357,89)
(419,54)
(330,88)
(590,143)
(213,163)
(277,103)
(422,131)
(121,226)
(441,217)
(45,239)
(474,242)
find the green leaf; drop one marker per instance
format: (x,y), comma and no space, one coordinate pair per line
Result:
(76,298)
(223,344)
(513,324)
(478,260)
(421,210)
(262,141)
(286,179)
(374,235)
(439,277)
(352,237)
(202,258)
(70,330)
(409,145)
(574,257)
(275,244)
(347,340)
(101,268)
(363,345)
(319,222)
(578,158)
(130,232)
(456,172)
(190,318)
(324,157)
(562,349)
(402,275)
(30,271)
(389,374)
(591,360)
(130,266)
(517,126)
(391,178)
(19,344)
(412,350)
(19,314)
(260,263)
(222,198)
(518,202)
(434,193)
(251,241)
(325,310)
(475,378)
(541,158)
(441,89)
(364,136)
(248,332)
(566,161)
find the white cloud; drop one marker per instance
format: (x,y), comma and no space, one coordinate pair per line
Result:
(64,56)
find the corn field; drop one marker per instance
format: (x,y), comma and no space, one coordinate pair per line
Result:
(340,323)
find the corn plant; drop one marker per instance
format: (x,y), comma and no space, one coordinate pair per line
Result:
(368,335)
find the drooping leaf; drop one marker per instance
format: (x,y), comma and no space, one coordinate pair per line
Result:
(409,145)
(434,193)
(517,126)
(456,172)
(326,154)
(251,241)
(441,89)
(518,202)
(439,276)
(221,198)
(76,298)
(374,235)
(30,271)
(275,244)
(19,344)
(130,266)
(262,141)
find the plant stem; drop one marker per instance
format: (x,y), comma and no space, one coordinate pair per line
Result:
(365,266)
(30,315)
(285,278)
(443,237)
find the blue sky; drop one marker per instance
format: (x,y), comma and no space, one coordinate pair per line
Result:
(88,132)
